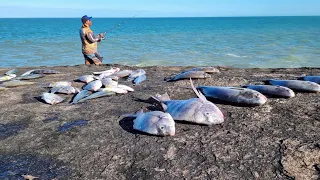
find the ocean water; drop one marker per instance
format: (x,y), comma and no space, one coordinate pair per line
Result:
(243,42)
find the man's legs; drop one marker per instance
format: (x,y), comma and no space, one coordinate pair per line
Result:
(92,59)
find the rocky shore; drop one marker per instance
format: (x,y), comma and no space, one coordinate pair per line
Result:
(278,140)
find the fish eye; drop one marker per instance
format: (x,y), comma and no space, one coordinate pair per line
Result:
(162,127)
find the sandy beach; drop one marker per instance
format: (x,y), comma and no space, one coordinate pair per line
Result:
(278,140)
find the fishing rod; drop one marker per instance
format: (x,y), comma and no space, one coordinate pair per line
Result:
(116,26)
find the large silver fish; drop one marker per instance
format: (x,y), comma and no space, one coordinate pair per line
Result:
(97,95)
(277,91)
(234,95)
(109,82)
(82,94)
(315,79)
(195,110)
(12,71)
(205,69)
(64,90)
(51,98)
(44,71)
(59,83)
(7,77)
(86,78)
(134,74)
(31,76)
(189,74)
(16,83)
(297,85)
(123,73)
(113,89)
(93,86)
(154,122)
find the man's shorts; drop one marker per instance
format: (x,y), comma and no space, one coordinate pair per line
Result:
(92,59)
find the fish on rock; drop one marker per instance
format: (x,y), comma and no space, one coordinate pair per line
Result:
(125,87)
(64,90)
(31,76)
(80,95)
(277,91)
(155,122)
(12,71)
(113,89)
(51,98)
(7,77)
(195,110)
(44,71)
(297,85)
(111,71)
(134,74)
(59,83)
(315,79)
(208,69)
(140,79)
(97,95)
(16,83)
(189,74)
(234,94)
(93,86)
(123,73)
(86,78)
(109,82)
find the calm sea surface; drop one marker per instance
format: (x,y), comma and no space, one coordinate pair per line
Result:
(239,42)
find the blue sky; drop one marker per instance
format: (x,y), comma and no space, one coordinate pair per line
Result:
(157,8)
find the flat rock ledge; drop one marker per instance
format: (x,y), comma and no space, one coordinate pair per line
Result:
(278,140)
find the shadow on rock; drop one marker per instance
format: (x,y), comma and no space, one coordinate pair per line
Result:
(14,166)
(69,125)
(11,129)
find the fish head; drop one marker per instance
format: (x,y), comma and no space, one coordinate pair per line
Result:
(166,126)
(208,114)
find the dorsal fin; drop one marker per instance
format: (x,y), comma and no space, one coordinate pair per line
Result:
(198,93)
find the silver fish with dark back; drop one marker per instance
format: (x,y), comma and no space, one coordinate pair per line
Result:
(189,74)
(297,85)
(276,91)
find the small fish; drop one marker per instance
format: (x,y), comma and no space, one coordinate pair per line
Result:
(59,83)
(12,71)
(315,79)
(140,79)
(93,86)
(297,85)
(86,78)
(189,74)
(7,77)
(112,70)
(113,89)
(82,94)
(109,82)
(30,76)
(51,98)
(134,74)
(28,72)
(97,95)
(16,83)
(64,90)
(44,71)
(234,94)
(125,87)
(209,70)
(123,73)
(277,91)
(29,177)
(154,122)
(196,110)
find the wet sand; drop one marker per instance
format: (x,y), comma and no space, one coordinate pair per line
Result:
(278,140)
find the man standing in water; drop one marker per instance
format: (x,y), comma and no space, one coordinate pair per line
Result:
(90,42)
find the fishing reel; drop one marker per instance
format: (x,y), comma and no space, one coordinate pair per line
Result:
(104,36)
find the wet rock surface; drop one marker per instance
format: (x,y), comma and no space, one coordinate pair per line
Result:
(278,140)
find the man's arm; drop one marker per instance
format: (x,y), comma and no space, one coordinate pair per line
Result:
(93,39)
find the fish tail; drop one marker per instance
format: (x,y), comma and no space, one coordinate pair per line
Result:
(160,98)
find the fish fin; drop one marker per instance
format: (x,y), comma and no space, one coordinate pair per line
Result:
(159,99)
(198,93)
